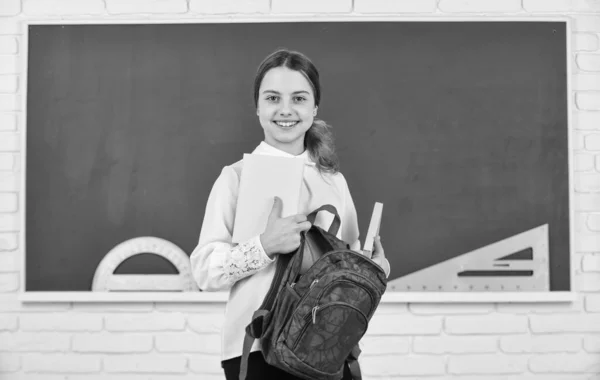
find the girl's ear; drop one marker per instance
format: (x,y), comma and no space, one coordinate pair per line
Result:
(315,111)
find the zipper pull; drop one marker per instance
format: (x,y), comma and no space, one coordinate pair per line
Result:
(314,314)
(314,282)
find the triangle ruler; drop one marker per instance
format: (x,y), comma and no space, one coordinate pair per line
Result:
(517,263)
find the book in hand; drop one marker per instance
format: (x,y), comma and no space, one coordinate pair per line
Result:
(264,177)
(373,229)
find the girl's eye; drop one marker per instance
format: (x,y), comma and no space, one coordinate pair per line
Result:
(272,98)
(299,99)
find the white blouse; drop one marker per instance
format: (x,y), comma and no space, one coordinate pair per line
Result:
(245,269)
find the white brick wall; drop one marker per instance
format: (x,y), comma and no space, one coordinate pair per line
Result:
(82,341)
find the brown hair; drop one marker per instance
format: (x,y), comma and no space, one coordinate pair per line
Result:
(319,138)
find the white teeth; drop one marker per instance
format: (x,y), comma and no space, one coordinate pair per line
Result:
(286,124)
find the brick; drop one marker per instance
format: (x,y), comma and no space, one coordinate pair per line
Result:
(60,322)
(145,322)
(311,6)
(33,342)
(388,324)
(8,323)
(587,282)
(454,344)
(382,345)
(587,182)
(586,120)
(410,365)
(230,6)
(579,140)
(8,45)
(8,84)
(148,363)
(8,122)
(9,182)
(587,243)
(10,102)
(206,323)
(112,343)
(592,303)
(487,324)
(579,323)
(9,222)
(592,141)
(9,282)
(487,364)
(67,363)
(547,5)
(188,342)
(9,142)
(8,242)
(10,8)
(587,23)
(583,81)
(9,363)
(9,262)
(446,309)
(585,42)
(7,161)
(146,6)
(593,222)
(552,363)
(10,26)
(63,7)
(588,61)
(206,364)
(591,263)
(519,344)
(581,222)
(588,100)
(8,64)
(9,202)
(468,6)
(591,343)
(398,6)
(584,162)
(9,302)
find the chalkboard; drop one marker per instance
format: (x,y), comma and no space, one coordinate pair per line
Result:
(459,128)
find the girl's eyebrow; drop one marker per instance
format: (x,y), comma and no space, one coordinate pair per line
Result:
(278,93)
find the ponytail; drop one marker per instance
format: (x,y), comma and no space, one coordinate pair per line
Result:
(321,147)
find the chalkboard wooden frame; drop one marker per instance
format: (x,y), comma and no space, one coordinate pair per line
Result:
(412,297)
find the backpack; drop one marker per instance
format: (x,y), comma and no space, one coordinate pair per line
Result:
(310,325)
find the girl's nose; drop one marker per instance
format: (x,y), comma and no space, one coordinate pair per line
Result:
(285,109)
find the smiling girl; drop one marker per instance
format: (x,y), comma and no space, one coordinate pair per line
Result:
(287,95)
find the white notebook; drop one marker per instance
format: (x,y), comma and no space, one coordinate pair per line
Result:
(373,231)
(264,177)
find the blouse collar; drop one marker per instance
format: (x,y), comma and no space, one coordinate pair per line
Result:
(265,148)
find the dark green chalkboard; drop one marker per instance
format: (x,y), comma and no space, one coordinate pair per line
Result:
(459,128)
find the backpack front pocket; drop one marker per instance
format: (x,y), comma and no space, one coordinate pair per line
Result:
(328,335)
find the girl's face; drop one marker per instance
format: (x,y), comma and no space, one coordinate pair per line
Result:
(286,109)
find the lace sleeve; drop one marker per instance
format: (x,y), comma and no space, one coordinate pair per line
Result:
(245,259)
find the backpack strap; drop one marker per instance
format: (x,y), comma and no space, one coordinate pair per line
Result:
(335,225)
(254,330)
(353,363)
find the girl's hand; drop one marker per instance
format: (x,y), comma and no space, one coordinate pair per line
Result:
(379,256)
(282,235)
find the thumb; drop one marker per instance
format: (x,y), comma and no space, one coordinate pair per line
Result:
(277,209)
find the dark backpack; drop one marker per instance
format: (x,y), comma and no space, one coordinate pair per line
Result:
(309,325)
